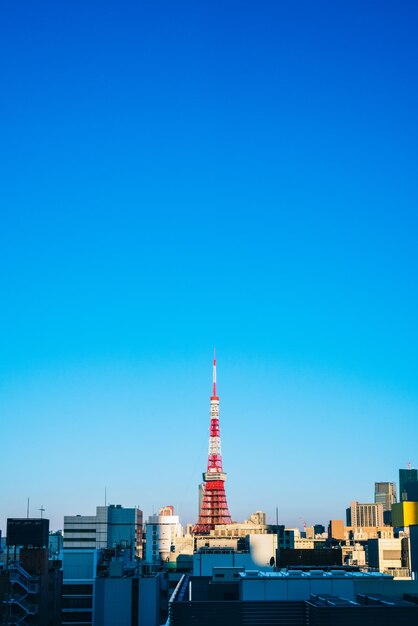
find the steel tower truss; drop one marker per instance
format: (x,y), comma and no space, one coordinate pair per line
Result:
(214,508)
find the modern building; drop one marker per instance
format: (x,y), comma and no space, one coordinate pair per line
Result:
(112,526)
(404,514)
(385,493)
(163,536)
(307,598)
(123,599)
(362,515)
(79,573)
(55,545)
(90,542)
(406,476)
(385,554)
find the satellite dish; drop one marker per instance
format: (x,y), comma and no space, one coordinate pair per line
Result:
(272,561)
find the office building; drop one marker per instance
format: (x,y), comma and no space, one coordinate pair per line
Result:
(406,476)
(362,515)
(112,526)
(385,554)
(121,599)
(385,493)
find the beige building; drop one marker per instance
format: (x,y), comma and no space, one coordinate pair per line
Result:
(365,514)
(336,529)
(228,535)
(354,555)
(386,555)
(357,533)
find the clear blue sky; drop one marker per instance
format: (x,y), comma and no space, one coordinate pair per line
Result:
(179,175)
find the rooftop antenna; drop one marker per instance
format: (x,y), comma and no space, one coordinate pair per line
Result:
(278,539)
(27,510)
(41,510)
(409,465)
(214,374)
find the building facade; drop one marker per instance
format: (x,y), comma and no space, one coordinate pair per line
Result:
(163,534)
(362,515)
(112,526)
(409,475)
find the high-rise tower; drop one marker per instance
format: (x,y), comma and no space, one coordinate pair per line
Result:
(214,508)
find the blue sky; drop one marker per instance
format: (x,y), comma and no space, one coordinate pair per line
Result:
(175,176)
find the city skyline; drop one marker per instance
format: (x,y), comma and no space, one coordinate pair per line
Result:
(292,519)
(179,177)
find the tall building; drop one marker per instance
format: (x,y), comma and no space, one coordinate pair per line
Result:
(214,509)
(386,494)
(406,476)
(112,526)
(365,514)
(89,540)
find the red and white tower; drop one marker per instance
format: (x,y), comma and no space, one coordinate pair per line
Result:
(214,508)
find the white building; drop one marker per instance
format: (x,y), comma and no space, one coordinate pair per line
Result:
(162,534)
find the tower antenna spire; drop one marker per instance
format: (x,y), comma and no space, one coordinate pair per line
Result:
(214,374)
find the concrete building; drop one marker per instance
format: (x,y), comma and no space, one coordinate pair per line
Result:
(112,526)
(235,536)
(336,529)
(385,554)
(126,600)
(405,477)
(404,514)
(385,493)
(79,573)
(163,536)
(362,515)
(354,555)
(358,533)
(294,597)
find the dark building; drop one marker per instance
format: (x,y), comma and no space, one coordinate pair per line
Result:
(411,491)
(406,476)
(30,585)
(318,556)
(205,601)
(319,529)
(413,539)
